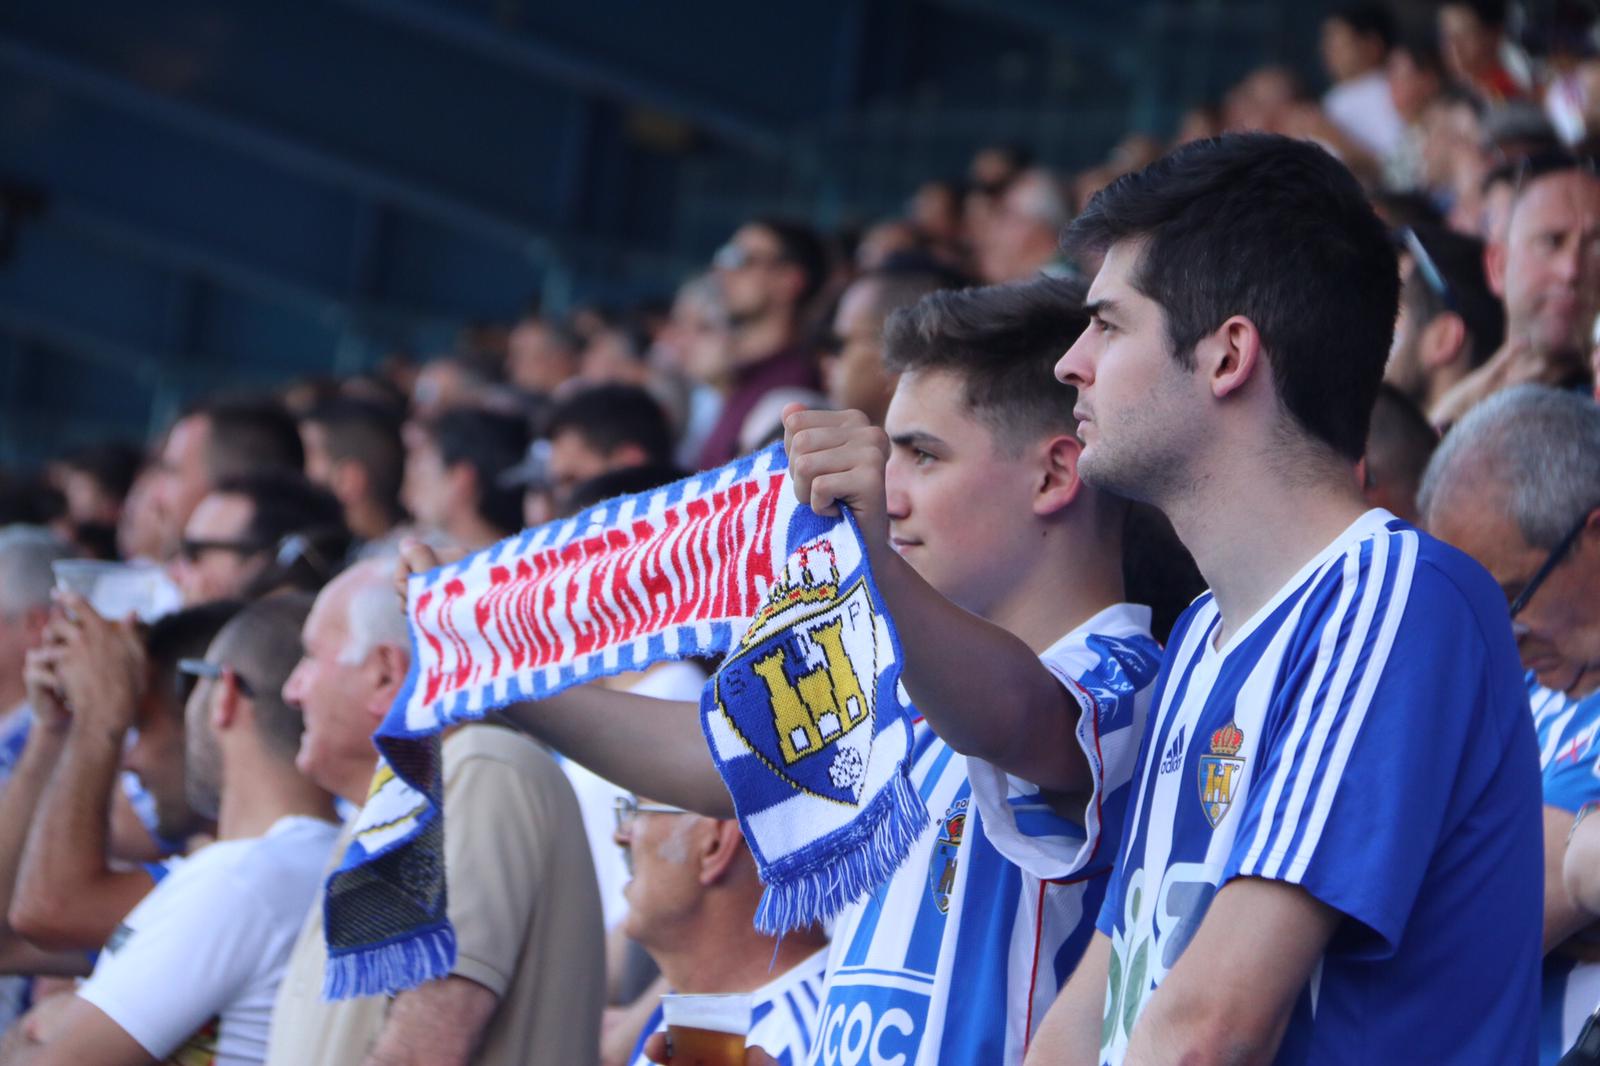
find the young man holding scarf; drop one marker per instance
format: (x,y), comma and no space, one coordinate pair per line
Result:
(1002,572)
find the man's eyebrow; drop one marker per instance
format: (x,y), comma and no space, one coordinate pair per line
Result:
(915,438)
(1099,308)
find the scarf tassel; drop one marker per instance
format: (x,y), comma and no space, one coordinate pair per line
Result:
(859,862)
(393,967)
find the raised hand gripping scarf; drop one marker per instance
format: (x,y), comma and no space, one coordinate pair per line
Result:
(806,719)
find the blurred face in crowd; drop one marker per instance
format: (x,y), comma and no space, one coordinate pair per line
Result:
(157,757)
(573,460)
(1347,54)
(1018,241)
(1136,405)
(427,490)
(883,241)
(936,211)
(696,339)
(665,886)
(854,376)
(537,359)
(87,499)
(140,534)
(946,471)
(1468,45)
(609,358)
(183,478)
(756,280)
(319,464)
(1547,271)
(1411,86)
(342,700)
(1558,631)
(216,560)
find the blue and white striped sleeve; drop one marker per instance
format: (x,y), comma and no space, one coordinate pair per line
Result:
(1030,826)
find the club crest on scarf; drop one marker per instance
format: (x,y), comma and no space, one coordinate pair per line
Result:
(812,653)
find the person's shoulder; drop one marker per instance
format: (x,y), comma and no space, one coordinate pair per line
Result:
(293,851)
(1434,576)
(487,752)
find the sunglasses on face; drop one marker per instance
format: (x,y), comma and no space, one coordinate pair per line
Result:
(192,549)
(190,671)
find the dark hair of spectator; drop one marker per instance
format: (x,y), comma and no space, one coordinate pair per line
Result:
(625,482)
(1423,49)
(26,499)
(1459,261)
(1402,439)
(184,634)
(609,416)
(1003,342)
(798,244)
(489,443)
(262,644)
(249,434)
(1368,20)
(1277,230)
(367,433)
(300,524)
(112,466)
(1491,13)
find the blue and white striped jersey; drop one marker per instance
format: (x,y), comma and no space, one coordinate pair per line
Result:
(783,1016)
(1366,737)
(956,958)
(1567,729)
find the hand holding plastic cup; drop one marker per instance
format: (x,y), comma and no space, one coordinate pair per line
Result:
(706,1030)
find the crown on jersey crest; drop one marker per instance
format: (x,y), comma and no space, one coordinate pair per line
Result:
(811,586)
(1227,740)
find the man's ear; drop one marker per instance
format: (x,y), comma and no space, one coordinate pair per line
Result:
(1443,340)
(719,850)
(228,705)
(1058,479)
(1495,256)
(387,666)
(1230,356)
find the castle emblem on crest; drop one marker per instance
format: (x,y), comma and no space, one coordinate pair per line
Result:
(1219,772)
(812,655)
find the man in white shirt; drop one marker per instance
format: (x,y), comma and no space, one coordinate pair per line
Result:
(191,973)
(1355,50)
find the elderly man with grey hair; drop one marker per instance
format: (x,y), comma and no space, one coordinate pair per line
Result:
(528,983)
(1516,485)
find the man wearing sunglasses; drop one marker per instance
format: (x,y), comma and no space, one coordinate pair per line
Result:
(769,272)
(1516,485)
(191,973)
(692,904)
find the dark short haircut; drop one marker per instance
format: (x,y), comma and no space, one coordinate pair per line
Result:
(1535,166)
(112,466)
(248,434)
(1275,229)
(368,433)
(1368,20)
(1423,49)
(625,482)
(299,524)
(262,644)
(1003,342)
(489,443)
(799,244)
(1465,290)
(1401,442)
(184,634)
(610,416)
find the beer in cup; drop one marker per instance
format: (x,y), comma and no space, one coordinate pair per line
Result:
(706,1030)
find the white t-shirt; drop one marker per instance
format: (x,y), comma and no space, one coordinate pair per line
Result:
(597,797)
(196,965)
(1364,112)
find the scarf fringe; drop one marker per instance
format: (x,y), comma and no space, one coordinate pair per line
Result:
(392,967)
(893,821)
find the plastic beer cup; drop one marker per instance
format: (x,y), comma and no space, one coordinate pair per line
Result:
(706,1030)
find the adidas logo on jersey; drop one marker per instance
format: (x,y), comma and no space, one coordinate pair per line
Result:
(1174,756)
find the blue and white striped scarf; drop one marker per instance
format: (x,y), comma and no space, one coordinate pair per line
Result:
(806,718)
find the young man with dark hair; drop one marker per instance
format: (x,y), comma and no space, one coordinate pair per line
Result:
(353,449)
(218,439)
(769,272)
(602,429)
(452,482)
(1336,836)
(1002,571)
(234,544)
